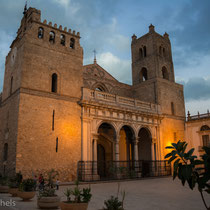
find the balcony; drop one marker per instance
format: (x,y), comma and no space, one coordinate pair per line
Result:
(119,101)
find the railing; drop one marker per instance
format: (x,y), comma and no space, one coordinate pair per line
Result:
(198,116)
(117,170)
(94,95)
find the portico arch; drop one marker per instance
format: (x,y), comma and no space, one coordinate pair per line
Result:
(126,143)
(145,144)
(105,146)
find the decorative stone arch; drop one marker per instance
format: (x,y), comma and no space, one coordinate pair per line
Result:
(100,86)
(119,127)
(146,127)
(204,128)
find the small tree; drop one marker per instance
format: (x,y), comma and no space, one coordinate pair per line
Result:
(188,168)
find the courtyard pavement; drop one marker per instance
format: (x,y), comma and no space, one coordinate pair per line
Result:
(145,194)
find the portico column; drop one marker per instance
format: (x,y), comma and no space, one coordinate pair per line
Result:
(136,155)
(152,148)
(117,155)
(95,140)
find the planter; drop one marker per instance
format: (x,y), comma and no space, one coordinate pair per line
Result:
(73,206)
(48,202)
(26,195)
(4,189)
(13,191)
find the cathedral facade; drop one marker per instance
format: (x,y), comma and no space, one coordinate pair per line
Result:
(55,111)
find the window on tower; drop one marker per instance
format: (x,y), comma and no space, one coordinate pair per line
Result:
(54,83)
(143,75)
(172,108)
(165,73)
(140,53)
(72,43)
(11,85)
(52,37)
(40,33)
(145,51)
(63,40)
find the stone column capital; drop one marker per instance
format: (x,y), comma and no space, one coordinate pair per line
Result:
(95,136)
(154,140)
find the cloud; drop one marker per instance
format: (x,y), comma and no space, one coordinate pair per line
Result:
(117,67)
(196,88)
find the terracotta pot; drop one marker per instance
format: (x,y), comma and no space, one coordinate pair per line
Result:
(73,206)
(4,189)
(26,195)
(48,202)
(13,191)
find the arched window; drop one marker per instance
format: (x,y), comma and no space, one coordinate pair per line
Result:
(72,43)
(11,85)
(205,128)
(63,40)
(145,51)
(143,75)
(40,33)
(52,37)
(165,73)
(5,151)
(172,108)
(99,89)
(140,53)
(54,83)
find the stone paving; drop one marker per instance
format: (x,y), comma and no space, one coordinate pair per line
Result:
(147,194)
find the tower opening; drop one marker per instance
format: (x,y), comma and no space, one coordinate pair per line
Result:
(143,75)
(54,83)
(165,74)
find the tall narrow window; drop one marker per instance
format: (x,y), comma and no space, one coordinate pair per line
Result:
(145,51)
(172,108)
(164,52)
(52,37)
(5,152)
(63,40)
(165,73)
(56,148)
(53,120)
(54,83)
(11,85)
(40,33)
(72,43)
(206,141)
(140,53)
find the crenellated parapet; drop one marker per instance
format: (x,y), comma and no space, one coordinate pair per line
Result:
(47,33)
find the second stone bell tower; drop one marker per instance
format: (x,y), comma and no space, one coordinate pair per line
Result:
(151,57)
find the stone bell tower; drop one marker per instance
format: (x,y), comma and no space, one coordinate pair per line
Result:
(154,81)
(41,125)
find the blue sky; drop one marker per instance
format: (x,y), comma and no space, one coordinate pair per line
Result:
(107,26)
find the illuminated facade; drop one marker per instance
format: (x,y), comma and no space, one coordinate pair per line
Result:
(55,111)
(198,132)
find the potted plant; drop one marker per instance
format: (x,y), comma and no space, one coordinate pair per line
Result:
(4,188)
(26,189)
(47,198)
(189,169)
(113,203)
(14,184)
(77,199)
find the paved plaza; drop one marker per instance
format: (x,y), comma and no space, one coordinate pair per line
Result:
(147,194)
